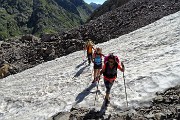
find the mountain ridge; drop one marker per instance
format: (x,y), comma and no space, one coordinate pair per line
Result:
(94,5)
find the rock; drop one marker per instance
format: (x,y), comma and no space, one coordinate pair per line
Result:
(150,116)
(169,114)
(160,116)
(48,38)
(4,70)
(158,99)
(5,45)
(168,100)
(71,49)
(178,108)
(61,116)
(29,38)
(178,111)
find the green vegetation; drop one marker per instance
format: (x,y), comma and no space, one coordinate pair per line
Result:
(40,16)
(8,26)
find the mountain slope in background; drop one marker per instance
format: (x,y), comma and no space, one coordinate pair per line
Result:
(126,18)
(40,16)
(107,6)
(94,5)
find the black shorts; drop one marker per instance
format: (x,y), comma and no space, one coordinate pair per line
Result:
(89,55)
(108,86)
(97,66)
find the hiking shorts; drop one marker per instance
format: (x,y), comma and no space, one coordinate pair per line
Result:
(108,85)
(97,66)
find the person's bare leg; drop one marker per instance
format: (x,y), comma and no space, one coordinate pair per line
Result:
(98,72)
(95,74)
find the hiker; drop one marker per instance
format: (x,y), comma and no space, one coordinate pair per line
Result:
(109,72)
(97,60)
(89,47)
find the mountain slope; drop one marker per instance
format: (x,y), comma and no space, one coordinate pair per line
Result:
(151,57)
(107,6)
(41,16)
(94,5)
(127,18)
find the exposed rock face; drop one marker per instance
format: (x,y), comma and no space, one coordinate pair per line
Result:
(165,106)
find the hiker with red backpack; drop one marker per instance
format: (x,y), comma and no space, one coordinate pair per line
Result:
(97,60)
(109,72)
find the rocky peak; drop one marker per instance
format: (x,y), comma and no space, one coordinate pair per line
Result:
(94,5)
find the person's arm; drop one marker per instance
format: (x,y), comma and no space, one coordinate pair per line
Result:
(121,67)
(103,55)
(93,57)
(103,69)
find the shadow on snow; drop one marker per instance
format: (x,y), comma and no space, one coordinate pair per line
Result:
(80,71)
(85,93)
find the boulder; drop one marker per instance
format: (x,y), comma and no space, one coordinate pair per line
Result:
(29,38)
(4,70)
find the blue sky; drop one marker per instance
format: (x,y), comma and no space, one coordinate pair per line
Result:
(95,1)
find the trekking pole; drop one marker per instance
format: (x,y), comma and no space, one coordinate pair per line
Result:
(124,84)
(96,92)
(84,56)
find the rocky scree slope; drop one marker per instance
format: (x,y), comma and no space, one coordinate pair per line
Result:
(127,18)
(165,106)
(107,6)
